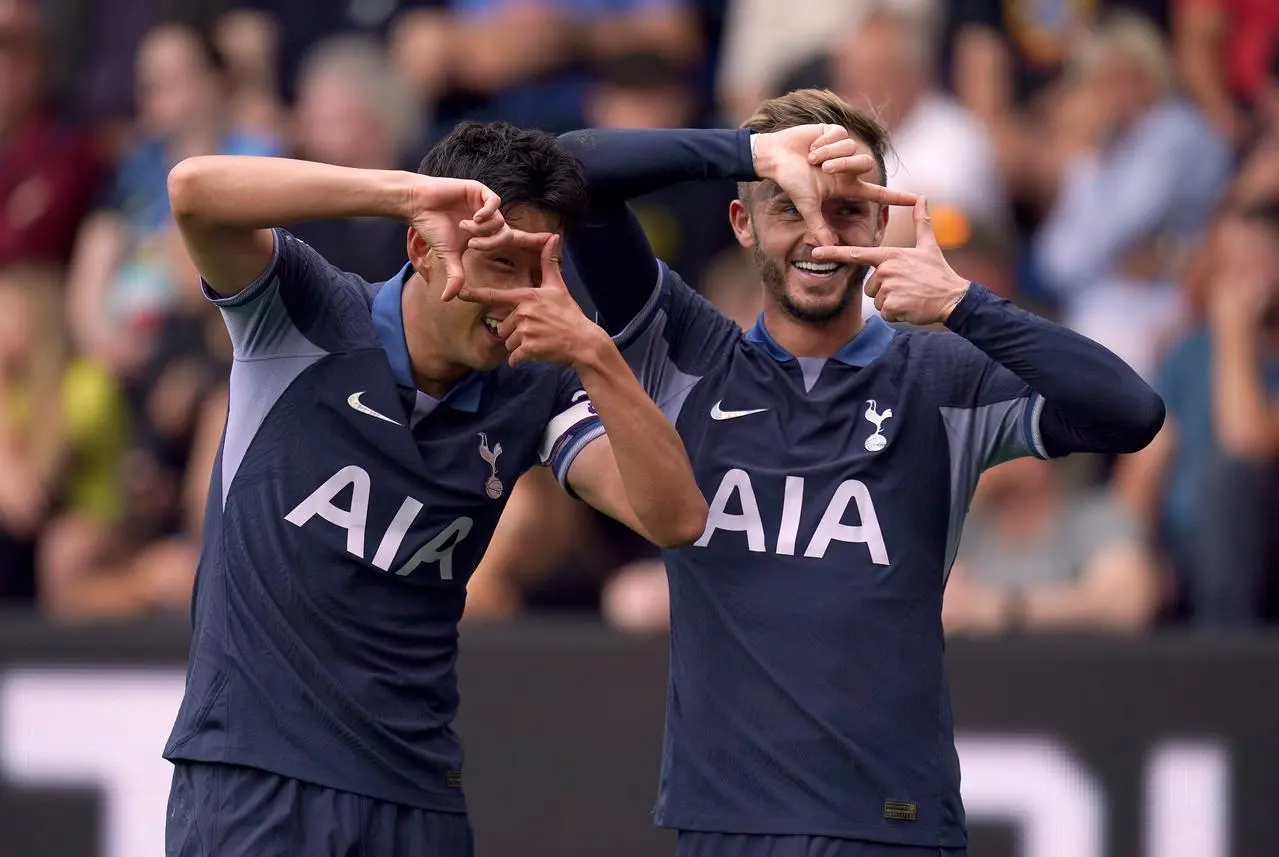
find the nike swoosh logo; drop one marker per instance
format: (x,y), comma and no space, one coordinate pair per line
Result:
(718,414)
(354,401)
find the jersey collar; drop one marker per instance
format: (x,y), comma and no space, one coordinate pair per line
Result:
(859,351)
(388,321)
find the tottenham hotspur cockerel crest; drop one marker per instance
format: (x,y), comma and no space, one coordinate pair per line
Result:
(877,441)
(492,485)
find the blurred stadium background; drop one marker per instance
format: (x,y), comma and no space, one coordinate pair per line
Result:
(1089,159)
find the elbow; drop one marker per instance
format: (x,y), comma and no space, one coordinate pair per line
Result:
(1144,419)
(185,184)
(1148,419)
(683,527)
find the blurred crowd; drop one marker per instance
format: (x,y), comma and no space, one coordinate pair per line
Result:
(1111,164)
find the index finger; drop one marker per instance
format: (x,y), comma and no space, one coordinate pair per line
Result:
(489,205)
(881,194)
(844,254)
(496,297)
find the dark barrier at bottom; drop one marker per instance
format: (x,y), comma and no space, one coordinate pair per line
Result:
(1070,748)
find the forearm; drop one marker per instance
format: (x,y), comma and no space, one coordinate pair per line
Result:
(1241,405)
(1093,401)
(656,475)
(247,193)
(609,250)
(621,164)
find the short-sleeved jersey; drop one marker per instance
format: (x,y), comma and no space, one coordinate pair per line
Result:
(807,692)
(346,511)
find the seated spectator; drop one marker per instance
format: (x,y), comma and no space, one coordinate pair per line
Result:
(1209,483)
(121,280)
(63,426)
(1035,558)
(354,112)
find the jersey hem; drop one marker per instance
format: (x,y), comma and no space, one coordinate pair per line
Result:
(454,804)
(792,827)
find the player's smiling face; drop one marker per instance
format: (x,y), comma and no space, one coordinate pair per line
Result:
(467,331)
(768,224)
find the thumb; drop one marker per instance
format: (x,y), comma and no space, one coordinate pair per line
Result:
(453,275)
(551,275)
(924,236)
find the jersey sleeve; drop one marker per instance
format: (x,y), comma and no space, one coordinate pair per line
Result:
(675,340)
(991,415)
(572,426)
(301,306)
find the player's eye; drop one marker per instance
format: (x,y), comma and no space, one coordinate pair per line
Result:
(504,263)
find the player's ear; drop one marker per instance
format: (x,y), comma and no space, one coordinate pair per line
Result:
(418,250)
(740,219)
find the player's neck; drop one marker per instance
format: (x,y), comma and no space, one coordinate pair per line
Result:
(433,372)
(809,339)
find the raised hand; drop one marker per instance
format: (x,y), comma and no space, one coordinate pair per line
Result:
(795,160)
(912,284)
(448,214)
(545,323)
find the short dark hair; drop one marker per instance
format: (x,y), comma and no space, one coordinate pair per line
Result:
(526,168)
(821,107)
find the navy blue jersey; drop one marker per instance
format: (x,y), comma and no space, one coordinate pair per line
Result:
(346,511)
(807,688)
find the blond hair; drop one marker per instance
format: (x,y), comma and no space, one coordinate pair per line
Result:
(1135,38)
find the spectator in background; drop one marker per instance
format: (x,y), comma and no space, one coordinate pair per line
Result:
(353,111)
(766,41)
(887,63)
(266,42)
(93,54)
(143,559)
(528,61)
(124,277)
(1142,167)
(1004,54)
(62,430)
(1034,558)
(1224,52)
(48,174)
(1209,483)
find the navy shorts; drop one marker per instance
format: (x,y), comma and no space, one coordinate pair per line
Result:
(231,811)
(694,843)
